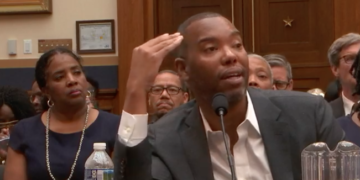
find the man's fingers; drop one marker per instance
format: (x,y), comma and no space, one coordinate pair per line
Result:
(169,47)
(160,39)
(156,40)
(156,48)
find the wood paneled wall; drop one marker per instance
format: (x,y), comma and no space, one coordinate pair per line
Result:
(135,26)
(347,16)
(107,101)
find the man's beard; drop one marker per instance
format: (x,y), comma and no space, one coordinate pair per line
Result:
(235,96)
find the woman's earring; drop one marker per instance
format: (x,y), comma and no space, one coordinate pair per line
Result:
(50,103)
(88,94)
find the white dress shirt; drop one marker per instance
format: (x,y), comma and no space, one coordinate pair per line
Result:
(348,104)
(132,129)
(249,152)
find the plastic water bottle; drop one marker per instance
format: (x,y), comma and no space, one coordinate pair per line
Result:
(99,165)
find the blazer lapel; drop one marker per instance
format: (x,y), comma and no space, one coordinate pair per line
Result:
(195,146)
(338,107)
(274,134)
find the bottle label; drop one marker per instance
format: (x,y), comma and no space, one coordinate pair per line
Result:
(99,174)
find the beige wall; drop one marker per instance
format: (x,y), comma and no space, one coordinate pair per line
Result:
(58,25)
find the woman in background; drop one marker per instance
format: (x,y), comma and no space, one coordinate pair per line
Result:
(55,144)
(14,106)
(351,122)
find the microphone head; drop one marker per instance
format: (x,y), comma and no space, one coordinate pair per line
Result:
(220,103)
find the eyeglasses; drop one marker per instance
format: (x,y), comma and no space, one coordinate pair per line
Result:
(35,96)
(281,85)
(8,124)
(349,58)
(171,90)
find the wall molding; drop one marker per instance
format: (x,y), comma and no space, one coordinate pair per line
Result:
(87,61)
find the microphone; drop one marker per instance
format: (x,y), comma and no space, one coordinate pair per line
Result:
(220,105)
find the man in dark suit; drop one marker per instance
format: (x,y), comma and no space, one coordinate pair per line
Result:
(341,56)
(333,95)
(167,93)
(267,130)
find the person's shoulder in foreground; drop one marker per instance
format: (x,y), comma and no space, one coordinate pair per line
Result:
(108,123)
(30,122)
(307,115)
(345,120)
(106,116)
(291,97)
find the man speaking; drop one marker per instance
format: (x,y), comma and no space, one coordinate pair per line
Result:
(266,130)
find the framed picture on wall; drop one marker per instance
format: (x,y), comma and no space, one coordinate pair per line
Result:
(25,7)
(95,36)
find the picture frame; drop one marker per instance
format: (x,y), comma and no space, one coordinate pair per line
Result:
(95,36)
(8,7)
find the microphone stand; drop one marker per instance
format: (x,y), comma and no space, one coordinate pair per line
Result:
(227,147)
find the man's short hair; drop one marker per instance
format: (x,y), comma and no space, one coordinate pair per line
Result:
(183,26)
(263,59)
(183,85)
(277,60)
(339,44)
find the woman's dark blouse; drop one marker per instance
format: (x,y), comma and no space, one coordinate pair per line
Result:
(28,137)
(352,130)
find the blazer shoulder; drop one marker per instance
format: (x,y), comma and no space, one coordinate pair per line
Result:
(293,97)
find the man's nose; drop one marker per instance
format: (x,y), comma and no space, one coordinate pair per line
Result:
(253,82)
(165,94)
(36,101)
(229,57)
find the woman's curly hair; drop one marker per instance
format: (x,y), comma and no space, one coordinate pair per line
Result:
(18,100)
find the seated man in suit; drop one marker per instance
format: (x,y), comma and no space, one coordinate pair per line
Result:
(260,75)
(341,56)
(267,130)
(167,93)
(36,98)
(281,70)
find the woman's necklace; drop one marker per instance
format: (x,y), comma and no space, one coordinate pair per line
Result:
(78,151)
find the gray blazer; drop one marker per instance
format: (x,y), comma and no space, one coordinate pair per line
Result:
(337,106)
(289,121)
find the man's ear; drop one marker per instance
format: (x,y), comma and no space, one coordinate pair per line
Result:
(291,84)
(186,97)
(273,87)
(180,66)
(335,71)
